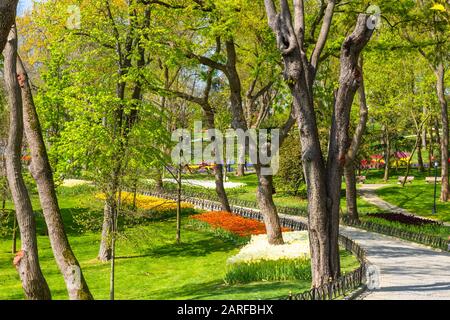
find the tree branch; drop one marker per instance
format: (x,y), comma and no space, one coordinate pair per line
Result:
(363,116)
(323,35)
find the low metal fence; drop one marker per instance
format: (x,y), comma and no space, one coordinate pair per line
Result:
(429,240)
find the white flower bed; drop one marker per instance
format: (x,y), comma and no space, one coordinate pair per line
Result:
(296,247)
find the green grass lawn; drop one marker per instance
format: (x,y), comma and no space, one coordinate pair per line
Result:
(150,265)
(417,198)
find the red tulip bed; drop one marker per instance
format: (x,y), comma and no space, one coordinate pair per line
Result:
(405,219)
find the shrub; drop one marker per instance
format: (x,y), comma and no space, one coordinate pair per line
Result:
(290,179)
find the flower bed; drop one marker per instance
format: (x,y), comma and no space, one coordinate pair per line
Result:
(149,203)
(238,225)
(403,218)
(260,261)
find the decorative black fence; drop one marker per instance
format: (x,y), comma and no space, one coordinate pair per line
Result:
(188,194)
(334,289)
(432,241)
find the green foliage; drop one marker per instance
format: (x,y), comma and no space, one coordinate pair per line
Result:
(289,178)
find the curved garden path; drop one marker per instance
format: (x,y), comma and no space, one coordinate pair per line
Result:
(368,193)
(408,271)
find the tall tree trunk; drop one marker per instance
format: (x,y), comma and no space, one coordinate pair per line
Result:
(319,204)
(349,169)
(350,192)
(236,101)
(438,135)
(27,260)
(109,209)
(218,168)
(14,235)
(440,87)
(265,183)
(268,209)
(324,182)
(42,173)
(350,79)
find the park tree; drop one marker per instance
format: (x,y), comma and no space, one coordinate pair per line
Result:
(98,65)
(42,173)
(27,259)
(244,56)
(323,178)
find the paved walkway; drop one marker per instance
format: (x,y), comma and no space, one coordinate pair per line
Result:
(408,271)
(368,193)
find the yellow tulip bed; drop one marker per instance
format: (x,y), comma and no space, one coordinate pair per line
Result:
(149,203)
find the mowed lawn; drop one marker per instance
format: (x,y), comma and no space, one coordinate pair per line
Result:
(417,198)
(149,265)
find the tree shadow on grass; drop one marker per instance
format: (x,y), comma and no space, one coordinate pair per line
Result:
(218,290)
(185,249)
(71,226)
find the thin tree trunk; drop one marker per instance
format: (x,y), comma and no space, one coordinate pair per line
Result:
(105,251)
(430,151)
(416,147)
(159,180)
(27,260)
(218,168)
(421,167)
(42,173)
(387,156)
(179,187)
(440,87)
